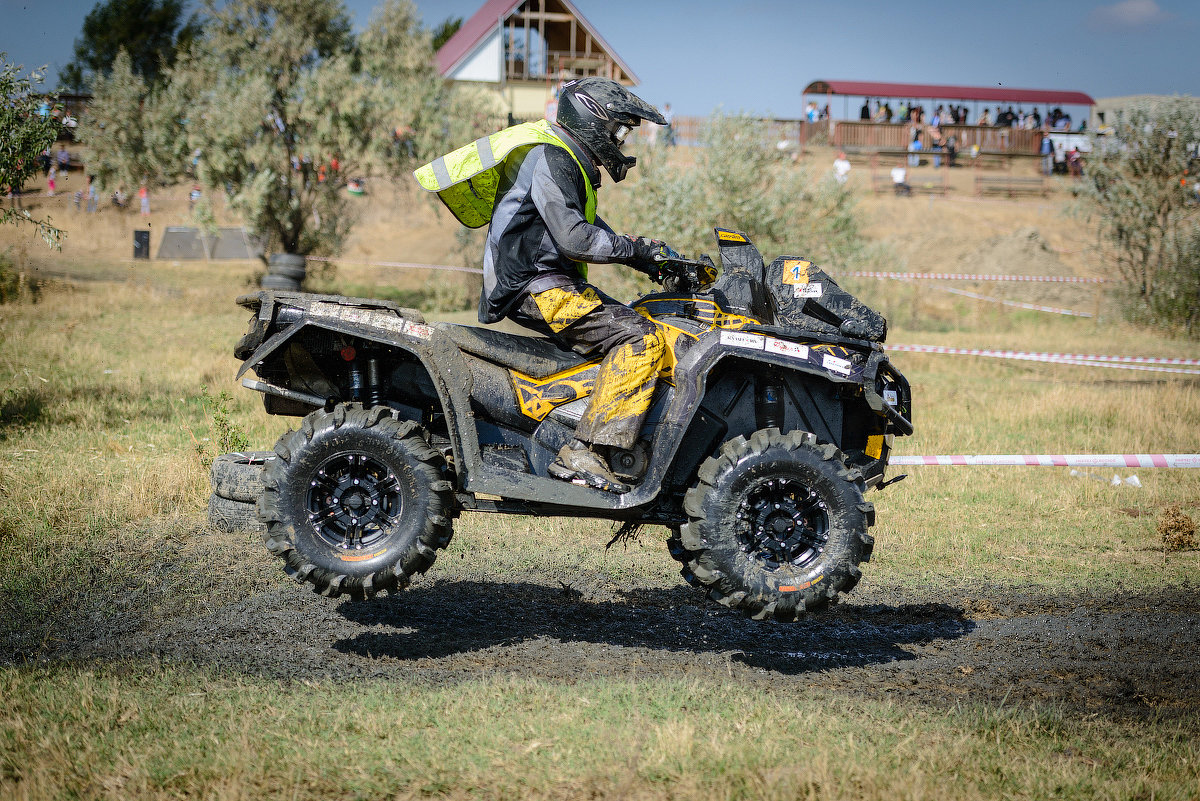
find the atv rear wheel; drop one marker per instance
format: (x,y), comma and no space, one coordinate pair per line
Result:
(777,525)
(357,502)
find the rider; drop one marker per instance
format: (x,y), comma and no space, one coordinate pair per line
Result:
(543,230)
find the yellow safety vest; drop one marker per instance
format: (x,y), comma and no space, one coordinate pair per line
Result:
(466,179)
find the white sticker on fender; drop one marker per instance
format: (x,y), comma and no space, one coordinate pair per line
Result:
(835,365)
(890,397)
(809,290)
(418,330)
(741,340)
(785,348)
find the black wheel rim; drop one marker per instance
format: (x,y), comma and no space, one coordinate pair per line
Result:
(353,501)
(783,521)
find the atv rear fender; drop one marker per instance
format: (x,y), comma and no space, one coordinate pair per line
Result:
(284,317)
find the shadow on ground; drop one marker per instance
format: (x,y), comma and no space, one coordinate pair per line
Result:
(455,618)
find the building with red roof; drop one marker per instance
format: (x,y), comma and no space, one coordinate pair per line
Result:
(521,50)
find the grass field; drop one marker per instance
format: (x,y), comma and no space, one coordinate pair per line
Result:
(110,382)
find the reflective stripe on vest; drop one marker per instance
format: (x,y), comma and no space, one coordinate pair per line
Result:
(466,179)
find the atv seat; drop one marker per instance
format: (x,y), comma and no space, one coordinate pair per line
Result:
(534,356)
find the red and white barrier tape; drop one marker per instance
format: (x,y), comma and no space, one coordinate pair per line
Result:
(1118,362)
(1017,304)
(1051,279)
(409,265)
(1062,460)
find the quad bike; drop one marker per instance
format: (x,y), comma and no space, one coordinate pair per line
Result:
(775,414)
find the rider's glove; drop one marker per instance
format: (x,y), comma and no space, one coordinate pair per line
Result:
(649,256)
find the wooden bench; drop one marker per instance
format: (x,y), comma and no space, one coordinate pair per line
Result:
(1009,185)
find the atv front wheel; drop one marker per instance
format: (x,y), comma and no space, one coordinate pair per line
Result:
(777,525)
(356,503)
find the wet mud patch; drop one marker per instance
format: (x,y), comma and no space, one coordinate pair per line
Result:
(1125,655)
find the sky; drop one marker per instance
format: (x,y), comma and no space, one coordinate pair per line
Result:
(756,56)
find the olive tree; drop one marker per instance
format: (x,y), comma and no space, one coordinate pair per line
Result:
(1140,189)
(24,133)
(282,103)
(131,130)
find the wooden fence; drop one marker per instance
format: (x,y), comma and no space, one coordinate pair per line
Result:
(863,136)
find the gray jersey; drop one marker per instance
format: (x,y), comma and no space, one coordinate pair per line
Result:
(538,230)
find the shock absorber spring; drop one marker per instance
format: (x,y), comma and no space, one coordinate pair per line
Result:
(374,385)
(768,403)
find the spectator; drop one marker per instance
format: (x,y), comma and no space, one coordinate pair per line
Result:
(900,181)
(51,181)
(1074,163)
(864,113)
(936,144)
(669,128)
(810,112)
(194,196)
(985,118)
(144,196)
(64,162)
(914,148)
(91,194)
(841,168)
(1046,151)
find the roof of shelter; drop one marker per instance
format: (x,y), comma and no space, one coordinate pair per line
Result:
(999,94)
(492,15)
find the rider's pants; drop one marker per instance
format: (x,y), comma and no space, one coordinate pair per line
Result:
(589,322)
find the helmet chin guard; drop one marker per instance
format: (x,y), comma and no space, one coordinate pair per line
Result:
(601,114)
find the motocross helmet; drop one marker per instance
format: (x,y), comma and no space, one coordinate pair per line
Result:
(600,113)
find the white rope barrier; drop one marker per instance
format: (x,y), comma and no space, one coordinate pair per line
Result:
(1083,360)
(1180,460)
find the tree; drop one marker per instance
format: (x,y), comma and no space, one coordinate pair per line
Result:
(271,101)
(1137,190)
(127,130)
(150,31)
(24,133)
(447,28)
(738,180)
(275,93)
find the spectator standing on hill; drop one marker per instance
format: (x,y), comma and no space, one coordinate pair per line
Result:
(91,194)
(144,196)
(51,181)
(64,162)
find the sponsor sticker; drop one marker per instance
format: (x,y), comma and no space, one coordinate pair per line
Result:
(809,290)
(418,330)
(739,339)
(795,271)
(835,365)
(730,236)
(785,348)
(389,322)
(890,397)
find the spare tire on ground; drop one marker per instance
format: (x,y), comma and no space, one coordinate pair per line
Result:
(227,515)
(238,476)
